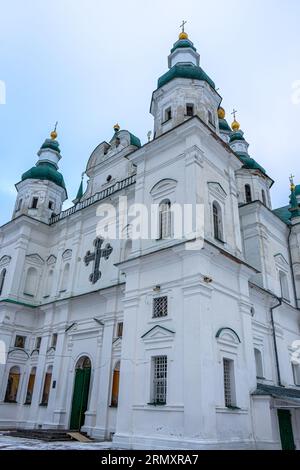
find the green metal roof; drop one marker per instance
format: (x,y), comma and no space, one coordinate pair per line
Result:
(284,214)
(45,171)
(51,144)
(183,43)
(134,140)
(237,136)
(224,126)
(297,190)
(185,71)
(250,163)
(277,392)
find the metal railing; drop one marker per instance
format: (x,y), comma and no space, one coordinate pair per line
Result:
(95,198)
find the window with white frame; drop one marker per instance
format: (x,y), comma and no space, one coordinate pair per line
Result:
(263,196)
(248,193)
(189,109)
(258,364)
(229,385)
(284,286)
(2,279)
(296,374)
(160,307)
(211,118)
(159,381)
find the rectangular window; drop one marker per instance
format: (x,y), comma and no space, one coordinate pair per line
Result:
(34,204)
(20,341)
(284,286)
(38,343)
(190,110)
(168,114)
(19,204)
(120,329)
(211,118)
(229,390)
(51,205)
(54,340)
(160,307)
(159,393)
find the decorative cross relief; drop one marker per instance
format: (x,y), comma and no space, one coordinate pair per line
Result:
(96,257)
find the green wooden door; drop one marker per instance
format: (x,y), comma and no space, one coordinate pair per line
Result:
(286,430)
(80,397)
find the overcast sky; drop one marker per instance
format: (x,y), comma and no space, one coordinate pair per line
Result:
(91,63)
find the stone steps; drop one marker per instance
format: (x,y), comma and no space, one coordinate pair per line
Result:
(49,435)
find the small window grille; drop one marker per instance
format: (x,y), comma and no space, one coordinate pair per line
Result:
(160,307)
(228,385)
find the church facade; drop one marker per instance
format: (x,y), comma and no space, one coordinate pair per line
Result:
(154,341)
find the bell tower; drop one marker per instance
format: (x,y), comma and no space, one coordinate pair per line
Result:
(184,91)
(42,191)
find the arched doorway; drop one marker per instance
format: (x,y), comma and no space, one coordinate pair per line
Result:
(81,392)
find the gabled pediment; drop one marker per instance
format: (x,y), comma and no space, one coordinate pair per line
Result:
(51,260)
(67,254)
(5,260)
(35,259)
(281,261)
(158,333)
(117,345)
(217,189)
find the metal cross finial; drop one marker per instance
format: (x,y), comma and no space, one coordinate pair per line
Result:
(55,126)
(96,257)
(292,182)
(234,113)
(182,25)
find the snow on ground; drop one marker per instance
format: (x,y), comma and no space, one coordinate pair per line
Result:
(18,443)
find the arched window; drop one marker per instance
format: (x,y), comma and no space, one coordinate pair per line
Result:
(30,386)
(115,385)
(49,282)
(258,363)
(284,286)
(217,222)
(12,385)
(248,194)
(65,278)
(31,282)
(165,219)
(47,386)
(2,279)
(263,197)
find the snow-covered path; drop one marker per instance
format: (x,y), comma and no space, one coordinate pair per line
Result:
(17,443)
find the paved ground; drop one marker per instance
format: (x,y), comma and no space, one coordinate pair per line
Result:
(17,443)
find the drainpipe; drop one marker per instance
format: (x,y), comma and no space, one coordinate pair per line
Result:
(292,266)
(275,341)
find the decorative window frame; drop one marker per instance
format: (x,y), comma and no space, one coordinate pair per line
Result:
(149,302)
(4,261)
(283,266)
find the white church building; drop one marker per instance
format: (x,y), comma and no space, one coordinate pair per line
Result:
(151,341)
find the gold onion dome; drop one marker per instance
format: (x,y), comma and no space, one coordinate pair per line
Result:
(183,35)
(53,135)
(221,113)
(116,127)
(235,126)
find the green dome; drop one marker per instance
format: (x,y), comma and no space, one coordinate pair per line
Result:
(239,135)
(51,144)
(45,171)
(184,71)
(183,43)
(250,163)
(224,126)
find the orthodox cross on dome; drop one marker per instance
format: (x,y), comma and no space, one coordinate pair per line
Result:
(292,182)
(234,114)
(182,25)
(54,133)
(96,257)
